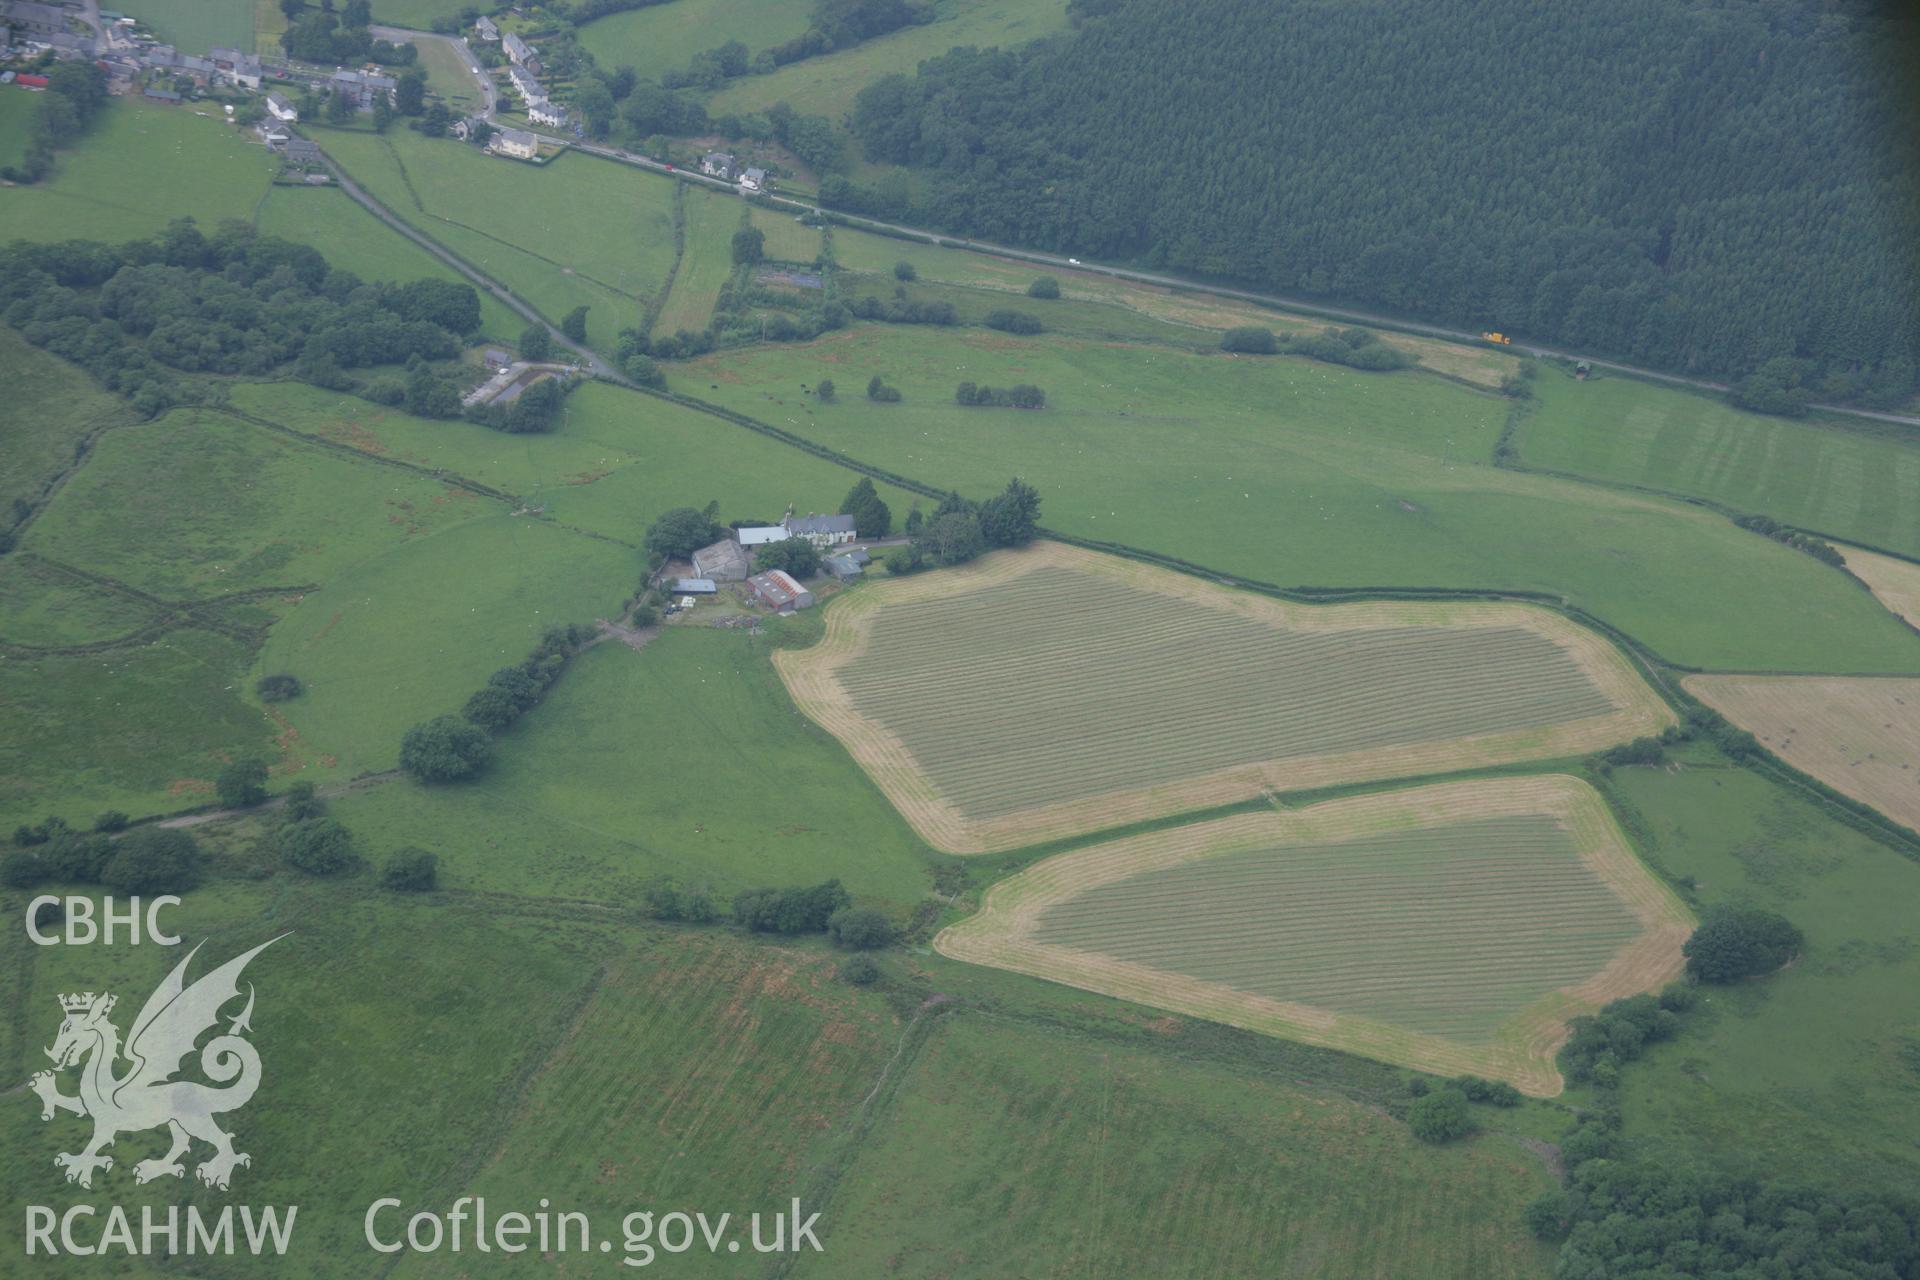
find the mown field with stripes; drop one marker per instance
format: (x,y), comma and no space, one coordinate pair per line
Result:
(1451,928)
(1054,691)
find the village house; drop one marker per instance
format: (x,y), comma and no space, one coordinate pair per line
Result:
(754,180)
(73,25)
(302,153)
(724,561)
(242,69)
(779,591)
(282,110)
(718,164)
(361,87)
(520,52)
(821,531)
(526,85)
(483,27)
(517,143)
(544,112)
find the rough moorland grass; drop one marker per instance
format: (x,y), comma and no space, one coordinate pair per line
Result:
(410,631)
(140,167)
(827,85)
(1059,1156)
(618,459)
(201,504)
(1051,692)
(1304,474)
(354,240)
(46,607)
(395,1036)
(142,729)
(1813,1073)
(684,759)
(665,37)
(198,25)
(580,232)
(1859,735)
(1851,480)
(705,263)
(1451,928)
(52,406)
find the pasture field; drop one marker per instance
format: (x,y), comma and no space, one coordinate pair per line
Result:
(1450,928)
(706,260)
(139,167)
(388,1067)
(1303,474)
(195,26)
(664,37)
(1070,317)
(17,109)
(1059,1156)
(827,85)
(356,241)
(447,75)
(52,407)
(1840,477)
(1894,583)
(788,239)
(43,606)
(417,14)
(1813,1075)
(618,459)
(1052,692)
(1860,735)
(588,233)
(619,777)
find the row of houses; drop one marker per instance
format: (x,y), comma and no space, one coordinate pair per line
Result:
(540,108)
(722,165)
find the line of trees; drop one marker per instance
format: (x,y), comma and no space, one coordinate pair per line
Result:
(960,529)
(1355,348)
(1703,188)
(1023,395)
(74,95)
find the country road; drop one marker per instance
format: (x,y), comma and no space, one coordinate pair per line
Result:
(1061,261)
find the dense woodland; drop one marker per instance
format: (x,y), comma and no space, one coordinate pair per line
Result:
(1702,187)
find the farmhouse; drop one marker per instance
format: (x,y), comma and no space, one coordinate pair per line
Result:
(724,561)
(753,180)
(761,535)
(543,112)
(780,591)
(821,531)
(280,109)
(483,27)
(718,164)
(517,143)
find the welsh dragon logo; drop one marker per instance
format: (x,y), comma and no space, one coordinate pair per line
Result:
(145,1095)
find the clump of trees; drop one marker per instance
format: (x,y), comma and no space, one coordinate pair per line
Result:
(859,928)
(872,518)
(241,784)
(1600,1044)
(150,860)
(667,899)
(279,687)
(795,555)
(905,311)
(825,391)
(74,95)
(321,34)
(678,533)
(1008,321)
(789,911)
(319,846)
(411,870)
(880,393)
(1250,339)
(1022,395)
(1732,944)
(1768,527)
(512,691)
(140,315)
(959,529)
(1355,348)
(1440,1116)
(749,246)
(445,749)
(1046,288)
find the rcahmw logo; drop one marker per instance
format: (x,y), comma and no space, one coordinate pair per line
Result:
(131,1087)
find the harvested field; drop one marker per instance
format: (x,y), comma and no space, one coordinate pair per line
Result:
(1451,928)
(1895,583)
(1858,734)
(1052,692)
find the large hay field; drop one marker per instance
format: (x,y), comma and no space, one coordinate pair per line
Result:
(1859,735)
(1054,691)
(1895,583)
(1451,928)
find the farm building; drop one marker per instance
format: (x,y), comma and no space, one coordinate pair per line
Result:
(517,143)
(695,586)
(280,109)
(724,561)
(821,531)
(718,164)
(761,535)
(484,28)
(842,567)
(780,591)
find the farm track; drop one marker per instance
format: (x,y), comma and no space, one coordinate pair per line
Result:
(1010,930)
(168,615)
(957,691)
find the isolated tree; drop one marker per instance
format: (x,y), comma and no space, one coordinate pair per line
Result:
(279,687)
(318,846)
(825,391)
(1045,287)
(153,860)
(749,246)
(872,518)
(301,803)
(681,532)
(111,820)
(412,870)
(242,784)
(536,342)
(905,271)
(446,749)
(859,970)
(1441,1116)
(574,324)
(1734,944)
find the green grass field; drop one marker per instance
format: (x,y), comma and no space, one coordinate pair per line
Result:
(52,407)
(195,26)
(141,166)
(1424,939)
(827,85)
(1014,1149)
(585,233)
(665,37)
(684,759)
(1845,478)
(353,239)
(706,262)
(1813,1074)
(1304,474)
(418,14)
(447,75)
(788,239)
(46,607)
